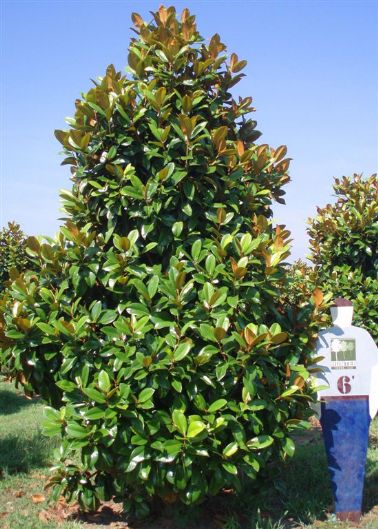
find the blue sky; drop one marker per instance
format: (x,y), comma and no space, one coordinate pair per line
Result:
(312,72)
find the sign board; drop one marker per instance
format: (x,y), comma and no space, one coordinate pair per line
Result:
(350,374)
(350,365)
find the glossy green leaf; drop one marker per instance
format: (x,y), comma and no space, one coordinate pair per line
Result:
(230,468)
(145,395)
(177,228)
(289,446)
(153,286)
(195,428)
(230,449)
(182,351)
(260,442)
(179,420)
(196,249)
(95,395)
(217,405)
(94,414)
(107,316)
(104,381)
(75,430)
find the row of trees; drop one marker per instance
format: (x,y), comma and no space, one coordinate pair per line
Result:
(161,325)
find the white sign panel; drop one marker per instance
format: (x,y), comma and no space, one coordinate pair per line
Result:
(350,365)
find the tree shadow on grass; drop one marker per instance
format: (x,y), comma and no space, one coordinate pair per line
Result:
(371,483)
(292,493)
(20,454)
(11,402)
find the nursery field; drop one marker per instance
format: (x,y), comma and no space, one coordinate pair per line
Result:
(298,497)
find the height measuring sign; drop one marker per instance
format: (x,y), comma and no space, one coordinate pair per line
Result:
(350,365)
(350,370)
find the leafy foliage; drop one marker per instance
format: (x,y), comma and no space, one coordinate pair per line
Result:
(343,239)
(12,251)
(301,283)
(155,328)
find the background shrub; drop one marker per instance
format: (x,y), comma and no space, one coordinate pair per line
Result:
(155,328)
(301,283)
(12,251)
(343,242)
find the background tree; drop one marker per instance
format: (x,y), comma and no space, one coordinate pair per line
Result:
(301,283)
(155,328)
(12,251)
(343,242)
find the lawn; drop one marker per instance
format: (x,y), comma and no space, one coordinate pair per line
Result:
(299,495)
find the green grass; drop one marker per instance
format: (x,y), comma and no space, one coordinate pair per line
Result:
(299,494)
(24,459)
(22,446)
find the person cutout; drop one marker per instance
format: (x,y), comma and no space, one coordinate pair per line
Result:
(350,370)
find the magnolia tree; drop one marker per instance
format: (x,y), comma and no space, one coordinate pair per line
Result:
(155,328)
(12,252)
(343,242)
